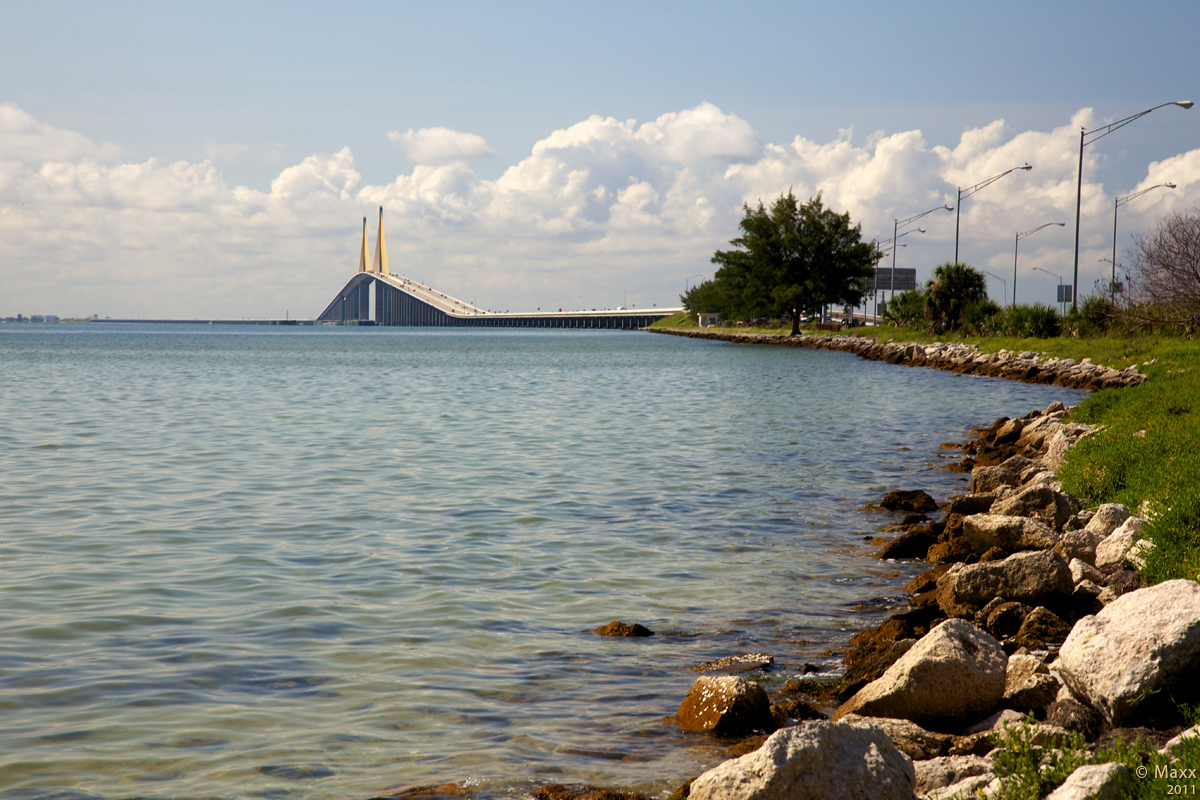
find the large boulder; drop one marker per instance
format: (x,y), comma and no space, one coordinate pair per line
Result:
(909,737)
(1011,533)
(1037,501)
(1121,660)
(1021,577)
(728,705)
(989,479)
(813,761)
(1115,548)
(954,672)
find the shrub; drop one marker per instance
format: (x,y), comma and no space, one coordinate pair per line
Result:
(907,309)
(1030,321)
(979,317)
(1093,317)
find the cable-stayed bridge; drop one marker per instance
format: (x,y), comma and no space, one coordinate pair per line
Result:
(401,301)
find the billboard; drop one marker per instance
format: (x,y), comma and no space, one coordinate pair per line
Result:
(906,280)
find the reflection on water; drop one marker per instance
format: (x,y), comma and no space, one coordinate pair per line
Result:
(324,562)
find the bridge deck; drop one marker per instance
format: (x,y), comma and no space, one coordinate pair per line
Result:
(402,301)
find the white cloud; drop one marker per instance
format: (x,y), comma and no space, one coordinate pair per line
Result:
(597,208)
(24,138)
(441,145)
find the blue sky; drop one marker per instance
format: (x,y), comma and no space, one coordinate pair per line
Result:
(254,89)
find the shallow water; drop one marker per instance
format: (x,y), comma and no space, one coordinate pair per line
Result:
(319,563)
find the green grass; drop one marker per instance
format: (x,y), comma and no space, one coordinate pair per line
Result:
(1161,466)
(1030,772)
(680,319)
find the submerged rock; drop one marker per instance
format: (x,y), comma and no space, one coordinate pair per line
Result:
(622,629)
(728,705)
(915,500)
(743,663)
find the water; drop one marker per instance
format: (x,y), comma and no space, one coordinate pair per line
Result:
(320,563)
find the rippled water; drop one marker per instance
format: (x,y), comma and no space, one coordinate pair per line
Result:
(319,563)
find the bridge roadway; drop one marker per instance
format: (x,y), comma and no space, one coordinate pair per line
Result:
(400,301)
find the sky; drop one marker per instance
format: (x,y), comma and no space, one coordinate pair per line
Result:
(216,160)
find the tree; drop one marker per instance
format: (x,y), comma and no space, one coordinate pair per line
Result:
(951,289)
(1164,278)
(790,260)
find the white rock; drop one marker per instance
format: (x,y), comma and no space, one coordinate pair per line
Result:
(1022,577)
(813,760)
(996,721)
(1113,551)
(909,737)
(1174,744)
(1137,554)
(955,671)
(980,786)
(1008,531)
(1092,782)
(938,773)
(1061,442)
(1083,571)
(1141,642)
(1107,519)
(1080,544)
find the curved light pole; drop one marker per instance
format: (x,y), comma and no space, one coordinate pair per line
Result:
(1055,274)
(1003,283)
(686,280)
(1103,131)
(895,236)
(1117,203)
(972,190)
(1021,236)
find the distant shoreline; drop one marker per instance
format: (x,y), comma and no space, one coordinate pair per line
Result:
(1027,367)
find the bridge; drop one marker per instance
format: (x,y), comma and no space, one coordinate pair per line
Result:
(402,301)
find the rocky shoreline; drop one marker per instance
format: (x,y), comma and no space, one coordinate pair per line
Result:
(1032,609)
(967,359)
(1030,625)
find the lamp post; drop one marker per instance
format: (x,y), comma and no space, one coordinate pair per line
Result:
(1055,274)
(1117,203)
(1003,283)
(1021,236)
(686,280)
(1103,131)
(896,235)
(972,190)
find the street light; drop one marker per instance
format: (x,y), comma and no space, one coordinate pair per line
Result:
(1003,283)
(972,190)
(1055,274)
(685,282)
(1083,141)
(1021,236)
(895,236)
(1117,203)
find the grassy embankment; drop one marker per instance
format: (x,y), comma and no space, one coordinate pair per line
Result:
(1149,450)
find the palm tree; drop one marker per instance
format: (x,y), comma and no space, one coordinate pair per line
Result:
(951,289)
